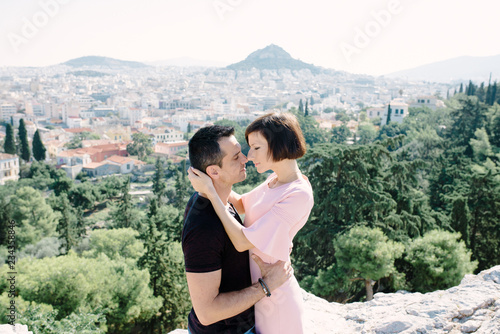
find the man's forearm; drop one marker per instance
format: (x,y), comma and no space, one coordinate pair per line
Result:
(230,304)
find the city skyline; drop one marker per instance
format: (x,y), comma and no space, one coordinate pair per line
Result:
(368,37)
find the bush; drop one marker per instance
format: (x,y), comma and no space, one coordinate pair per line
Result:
(439,261)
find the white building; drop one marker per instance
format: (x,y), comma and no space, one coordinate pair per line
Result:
(428,101)
(375,112)
(398,109)
(9,168)
(7,110)
(167,135)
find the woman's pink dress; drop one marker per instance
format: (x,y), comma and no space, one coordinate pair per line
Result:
(272,218)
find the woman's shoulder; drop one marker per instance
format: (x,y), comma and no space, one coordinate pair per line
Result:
(299,190)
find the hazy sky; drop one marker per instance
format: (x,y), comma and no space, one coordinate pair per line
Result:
(360,36)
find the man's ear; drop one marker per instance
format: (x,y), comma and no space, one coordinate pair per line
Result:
(213,171)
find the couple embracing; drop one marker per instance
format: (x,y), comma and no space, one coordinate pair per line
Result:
(238,272)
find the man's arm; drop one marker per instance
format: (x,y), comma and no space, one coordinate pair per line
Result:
(211,306)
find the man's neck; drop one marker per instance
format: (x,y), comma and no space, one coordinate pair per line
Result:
(222,190)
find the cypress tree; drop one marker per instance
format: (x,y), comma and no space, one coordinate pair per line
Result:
(158,182)
(461,88)
(66,224)
(494,93)
(9,146)
(23,141)
(123,217)
(388,114)
(306,112)
(301,106)
(38,147)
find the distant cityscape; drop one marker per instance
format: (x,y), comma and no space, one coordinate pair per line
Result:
(115,100)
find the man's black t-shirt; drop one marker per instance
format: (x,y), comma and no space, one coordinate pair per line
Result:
(207,248)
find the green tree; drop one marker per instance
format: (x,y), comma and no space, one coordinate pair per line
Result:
(66,225)
(9,145)
(301,107)
(71,283)
(340,134)
(41,318)
(439,261)
(38,147)
(34,218)
(306,110)
(158,179)
(466,119)
(5,217)
(481,147)
(183,188)
(116,244)
(61,183)
(367,253)
(484,205)
(141,145)
(495,138)
(124,214)
(313,134)
(389,112)
(366,133)
(165,262)
(84,195)
(23,141)
(461,219)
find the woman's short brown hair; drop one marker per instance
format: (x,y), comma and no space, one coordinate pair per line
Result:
(283,134)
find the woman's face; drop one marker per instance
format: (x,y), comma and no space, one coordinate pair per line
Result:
(259,152)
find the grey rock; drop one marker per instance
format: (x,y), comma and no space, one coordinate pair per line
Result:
(16,329)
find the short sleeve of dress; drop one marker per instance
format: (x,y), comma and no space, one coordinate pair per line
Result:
(271,232)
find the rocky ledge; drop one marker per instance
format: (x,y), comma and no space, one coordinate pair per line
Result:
(471,307)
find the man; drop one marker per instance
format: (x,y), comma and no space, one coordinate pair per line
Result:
(218,276)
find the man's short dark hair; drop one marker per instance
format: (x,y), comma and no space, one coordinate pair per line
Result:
(204,149)
(283,134)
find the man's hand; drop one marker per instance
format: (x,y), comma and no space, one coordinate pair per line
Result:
(274,274)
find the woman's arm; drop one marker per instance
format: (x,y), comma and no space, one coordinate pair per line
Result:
(235,199)
(203,184)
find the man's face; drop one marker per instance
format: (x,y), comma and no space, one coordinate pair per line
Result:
(233,164)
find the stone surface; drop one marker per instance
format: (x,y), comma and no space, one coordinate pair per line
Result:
(16,329)
(471,307)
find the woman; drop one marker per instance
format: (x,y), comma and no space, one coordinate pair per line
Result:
(274,212)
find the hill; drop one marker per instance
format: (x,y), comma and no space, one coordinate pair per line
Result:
(96,61)
(272,57)
(456,69)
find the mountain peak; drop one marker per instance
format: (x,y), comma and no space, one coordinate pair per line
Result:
(272,57)
(270,51)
